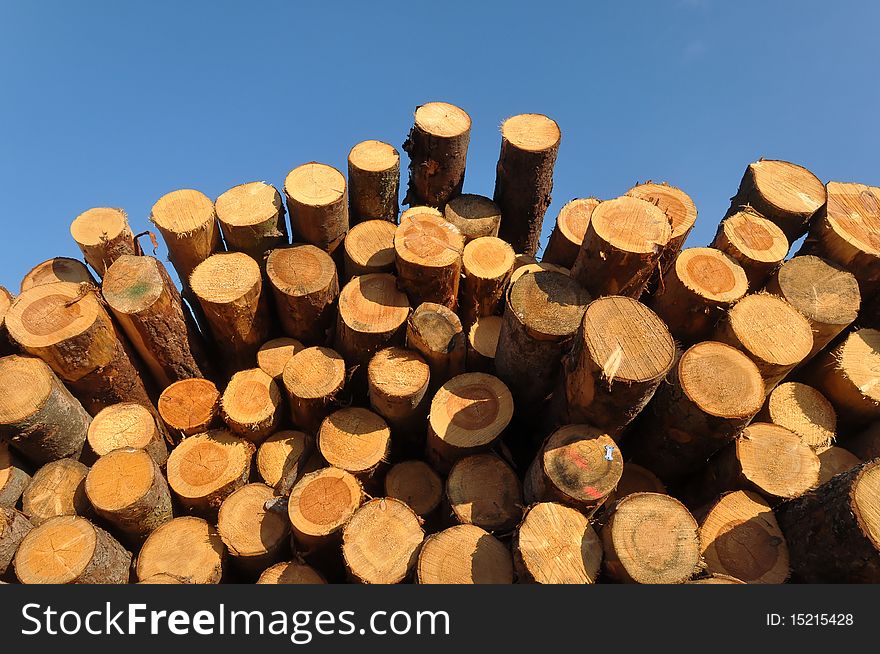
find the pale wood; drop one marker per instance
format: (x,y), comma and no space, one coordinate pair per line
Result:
(356,440)
(371,316)
(487,264)
(398,382)
(483,490)
(281,459)
(190,406)
(834,460)
(369,248)
(635,479)
(464,554)
(273,356)
(568,233)
(374,181)
(381,542)
(755,242)
(252,405)
(255,532)
(58,488)
(415,484)
(428,259)
(292,572)
(313,378)
(251,217)
(57,269)
(103,235)
(528,264)
(802,410)
(321,504)
(474,216)
(435,332)
(483,344)
(187,548)
(188,224)
(127,425)
(317,201)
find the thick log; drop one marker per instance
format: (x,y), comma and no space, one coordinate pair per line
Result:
(474,216)
(58,488)
(252,405)
(372,314)
(187,548)
(428,259)
(59,269)
(568,233)
(281,459)
(374,182)
(273,356)
(188,407)
(834,460)
(483,344)
(251,218)
(398,382)
(802,410)
(103,235)
(435,332)
(483,490)
(320,505)
(487,264)
(381,542)
(528,264)
(292,572)
(13,479)
(756,243)
(318,205)
(417,485)
(369,248)
(256,534)
(14,526)
(356,440)
(464,554)
(127,425)
(314,378)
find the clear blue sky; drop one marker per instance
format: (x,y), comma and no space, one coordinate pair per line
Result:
(115,104)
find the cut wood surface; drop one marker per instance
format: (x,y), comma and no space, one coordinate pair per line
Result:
(14,526)
(187,548)
(804,411)
(635,479)
(251,217)
(568,233)
(356,440)
(273,356)
(321,504)
(252,405)
(756,243)
(381,542)
(834,460)
(464,554)
(256,533)
(282,457)
(305,287)
(419,209)
(292,572)
(103,235)
(13,479)
(57,269)
(435,332)
(415,484)
(474,216)
(188,224)
(483,344)
(483,490)
(369,248)
(318,204)
(398,381)
(374,181)
(487,264)
(58,488)
(189,407)
(371,316)
(527,264)
(127,425)
(313,377)
(428,259)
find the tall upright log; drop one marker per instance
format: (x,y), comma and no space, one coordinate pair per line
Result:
(59,269)
(317,201)
(251,218)
(568,233)
(189,407)
(313,378)
(127,425)
(58,488)
(435,332)
(428,259)
(369,248)
(371,316)
(374,182)
(487,263)
(802,410)
(398,381)
(755,242)
(474,216)
(103,235)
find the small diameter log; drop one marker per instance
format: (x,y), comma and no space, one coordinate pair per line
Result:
(398,381)
(229,288)
(305,286)
(428,259)
(757,244)
(475,216)
(281,459)
(467,416)
(714,392)
(374,181)
(313,378)
(318,205)
(127,425)
(273,356)
(417,485)
(770,331)
(802,410)
(126,488)
(59,269)
(483,344)
(256,533)
(839,517)
(187,548)
(38,415)
(464,554)
(740,537)
(205,469)
(825,293)
(766,459)
(542,313)
(189,407)
(58,488)
(578,465)
(834,460)
(320,505)
(292,572)
(697,290)
(65,325)
(381,542)
(568,234)
(418,210)
(372,314)
(783,192)
(435,332)
(252,405)
(103,235)
(355,440)
(437,146)
(556,545)
(865,444)
(369,248)
(14,526)
(487,263)
(524,177)
(148,306)
(621,353)
(845,231)
(13,479)
(650,538)
(188,224)
(251,218)
(635,479)
(622,247)
(525,264)
(6,299)
(483,490)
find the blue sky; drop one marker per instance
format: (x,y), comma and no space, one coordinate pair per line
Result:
(115,104)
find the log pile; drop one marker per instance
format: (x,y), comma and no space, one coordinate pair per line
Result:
(339,391)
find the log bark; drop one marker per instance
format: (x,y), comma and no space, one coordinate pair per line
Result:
(251,218)
(103,235)
(428,259)
(568,233)
(59,269)
(127,425)
(320,505)
(374,180)
(435,332)
(372,314)
(483,490)
(13,479)
(281,459)
(398,382)
(487,264)
(802,410)
(313,378)
(381,542)
(187,548)
(6,299)
(369,248)
(273,356)
(256,534)
(417,485)
(14,526)
(474,216)
(356,440)
(756,243)
(464,554)
(58,488)
(252,405)
(483,344)
(188,407)
(317,201)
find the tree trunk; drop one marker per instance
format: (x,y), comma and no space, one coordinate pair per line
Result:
(398,382)
(802,410)
(483,490)
(487,263)
(464,554)
(292,572)
(355,440)
(13,479)
(483,344)
(314,378)
(189,407)
(251,217)
(417,485)
(372,313)
(255,532)
(59,269)
(187,548)
(273,356)
(320,506)
(127,425)
(318,205)
(435,332)
(374,180)
(381,542)
(756,243)
(14,526)
(568,233)
(281,459)
(58,488)
(428,260)
(369,248)
(474,216)
(103,235)
(252,405)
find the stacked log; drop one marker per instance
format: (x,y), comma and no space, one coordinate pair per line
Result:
(374,180)
(428,259)
(58,488)
(57,269)
(487,264)
(435,332)
(755,242)
(475,216)
(464,554)
(127,425)
(103,235)
(371,316)
(483,490)
(568,233)
(251,218)
(369,248)
(318,206)
(188,407)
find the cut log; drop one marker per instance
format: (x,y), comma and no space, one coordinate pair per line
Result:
(528,264)
(483,490)
(437,146)
(825,293)
(187,548)
(355,440)
(256,533)
(524,177)
(621,353)
(435,332)
(483,344)
(38,415)
(802,410)
(188,224)
(635,479)
(556,545)
(487,263)
(697,290)
(281,459)
(839,516)
(189,407)
(756,243)
(650,538)
(150,310)
(740,537)
(834,460)
(273,356)
(14,526)
(251,217)
(127,425)
(474,216)
(65,325)
(164,579)
(372,313)
(542,312)
(714,392)
(292,572)
(568,234)
(578,465)
(782,192)
(622,246)
(58,488)
(321,504)
(59,269)
(205,469)
(13,479)
(428,259)
(770,331)
(418,210)
(468,414)
(318,205)
(464,554)
(417,485)
(865,444)
(398,381)
(381,542)
(103,235)
(313,378)
(369,248)
(252,405)
(126,488)
(374,178)
(6,299)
